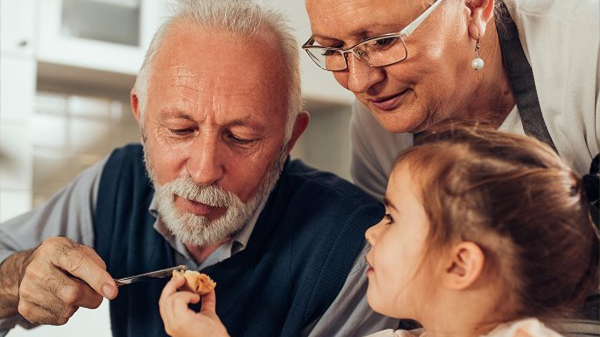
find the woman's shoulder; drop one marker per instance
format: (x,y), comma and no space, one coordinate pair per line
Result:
(565,10)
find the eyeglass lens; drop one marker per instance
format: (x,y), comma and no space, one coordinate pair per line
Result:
(377,52)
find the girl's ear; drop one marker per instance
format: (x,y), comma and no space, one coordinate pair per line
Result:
(464,266)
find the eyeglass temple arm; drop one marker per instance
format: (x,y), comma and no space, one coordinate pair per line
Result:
(413,25)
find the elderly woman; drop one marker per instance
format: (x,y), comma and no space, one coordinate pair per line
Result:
(521,66)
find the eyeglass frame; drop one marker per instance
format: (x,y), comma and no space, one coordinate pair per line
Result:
(406,32)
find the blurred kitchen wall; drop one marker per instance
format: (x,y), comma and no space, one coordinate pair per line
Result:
(66,68)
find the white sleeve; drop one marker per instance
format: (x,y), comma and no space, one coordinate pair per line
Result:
(374,151)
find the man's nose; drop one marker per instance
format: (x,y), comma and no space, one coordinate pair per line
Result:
(206,163)
(361,76)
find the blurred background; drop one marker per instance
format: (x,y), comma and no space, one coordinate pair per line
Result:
(66,69)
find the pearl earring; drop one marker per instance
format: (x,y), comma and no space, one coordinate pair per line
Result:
(477,63)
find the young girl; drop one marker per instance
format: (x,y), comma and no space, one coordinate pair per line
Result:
(484,231)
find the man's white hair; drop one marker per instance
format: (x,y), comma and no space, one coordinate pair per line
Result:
(241,17)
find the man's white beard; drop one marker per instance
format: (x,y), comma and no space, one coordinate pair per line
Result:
(197,230)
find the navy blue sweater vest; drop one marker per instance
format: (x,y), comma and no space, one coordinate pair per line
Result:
(296,261)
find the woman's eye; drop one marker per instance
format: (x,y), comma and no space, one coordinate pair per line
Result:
(385,43)
(329,52)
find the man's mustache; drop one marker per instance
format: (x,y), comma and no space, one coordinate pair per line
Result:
(211,195)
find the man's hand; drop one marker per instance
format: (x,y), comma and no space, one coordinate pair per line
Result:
(49,283)
(180,320)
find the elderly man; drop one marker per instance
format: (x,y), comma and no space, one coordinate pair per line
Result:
(218,104)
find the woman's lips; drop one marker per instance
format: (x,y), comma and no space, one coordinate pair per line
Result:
(388,103)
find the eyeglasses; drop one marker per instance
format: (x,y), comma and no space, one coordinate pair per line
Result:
(378,51)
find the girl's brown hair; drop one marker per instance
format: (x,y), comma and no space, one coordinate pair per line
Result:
(474,181)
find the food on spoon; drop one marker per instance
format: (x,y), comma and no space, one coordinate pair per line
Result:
(196,282)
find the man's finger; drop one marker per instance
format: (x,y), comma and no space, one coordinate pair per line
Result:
(91,299)
(66,289)
(42,291)
(76,262)
(92,254)
(36,314)
(78,293)
(46,308)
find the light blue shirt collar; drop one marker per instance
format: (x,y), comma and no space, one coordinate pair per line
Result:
(227,250)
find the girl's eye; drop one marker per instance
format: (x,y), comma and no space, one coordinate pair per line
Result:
(388,218)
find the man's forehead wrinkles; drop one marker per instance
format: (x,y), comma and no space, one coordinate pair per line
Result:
(242,119)
(206,82)
(182,73)
(182,70)
(183,77)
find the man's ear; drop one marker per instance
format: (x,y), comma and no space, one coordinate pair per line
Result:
(481,12)
(464,265)
(299,126)
(135,105)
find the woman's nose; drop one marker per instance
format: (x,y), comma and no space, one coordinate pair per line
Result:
(361,76)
